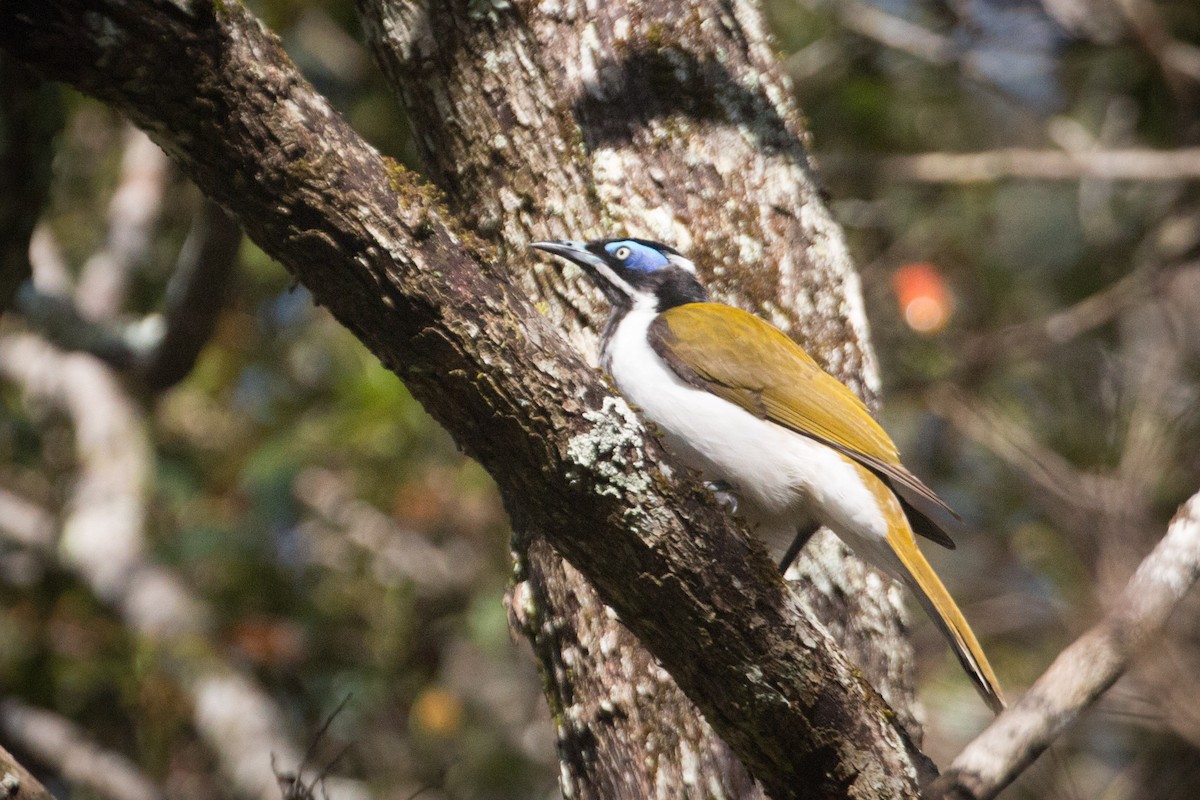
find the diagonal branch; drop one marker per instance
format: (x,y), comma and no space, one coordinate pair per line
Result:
(134,209)
(980,421)
(890,30)
(1028,339)
(1083,671)
(73,754)
(372,244)
(16,783)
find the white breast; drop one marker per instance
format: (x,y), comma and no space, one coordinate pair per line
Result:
(782,479)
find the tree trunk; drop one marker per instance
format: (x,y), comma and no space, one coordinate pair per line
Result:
(566,123)
(570,459)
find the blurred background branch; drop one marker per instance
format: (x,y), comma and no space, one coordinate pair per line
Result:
(102,540)
(195,296)
(1024,163)
(158,349)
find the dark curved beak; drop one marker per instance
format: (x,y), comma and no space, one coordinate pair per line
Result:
(616,290)
(575,252)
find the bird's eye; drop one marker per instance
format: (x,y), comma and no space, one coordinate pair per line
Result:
(622,253)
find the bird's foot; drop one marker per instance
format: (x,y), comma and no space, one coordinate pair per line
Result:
(724,493)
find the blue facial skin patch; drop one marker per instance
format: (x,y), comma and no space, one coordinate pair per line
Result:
(640,257)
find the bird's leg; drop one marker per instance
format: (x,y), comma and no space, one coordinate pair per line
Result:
(803,534)
(724,493)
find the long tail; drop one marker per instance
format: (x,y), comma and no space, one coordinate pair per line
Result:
(940,606)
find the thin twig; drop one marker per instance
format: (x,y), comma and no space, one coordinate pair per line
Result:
(402,555)
(291,784)
(1179,61)
(889,30)
(896,32)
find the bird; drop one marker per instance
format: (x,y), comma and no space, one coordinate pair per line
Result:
(788,446)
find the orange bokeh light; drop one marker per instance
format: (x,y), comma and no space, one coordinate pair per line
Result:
(924,298)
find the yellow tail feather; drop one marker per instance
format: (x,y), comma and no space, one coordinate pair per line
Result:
(925,584)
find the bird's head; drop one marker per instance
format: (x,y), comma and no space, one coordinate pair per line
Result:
(633,272)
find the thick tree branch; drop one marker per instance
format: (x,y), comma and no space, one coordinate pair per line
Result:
(1083,671)
(569,457)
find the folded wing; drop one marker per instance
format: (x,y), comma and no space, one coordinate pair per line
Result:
(749,362)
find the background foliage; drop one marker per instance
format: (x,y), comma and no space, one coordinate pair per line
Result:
(1038,338)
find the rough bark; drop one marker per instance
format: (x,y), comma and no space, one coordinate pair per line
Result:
(667,120)
(153,353)
(133,212)
(199,284)
(570,459)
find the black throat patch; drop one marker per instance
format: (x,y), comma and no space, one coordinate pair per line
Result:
(677,287)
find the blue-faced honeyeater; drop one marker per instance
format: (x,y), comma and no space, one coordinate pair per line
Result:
(737,400)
